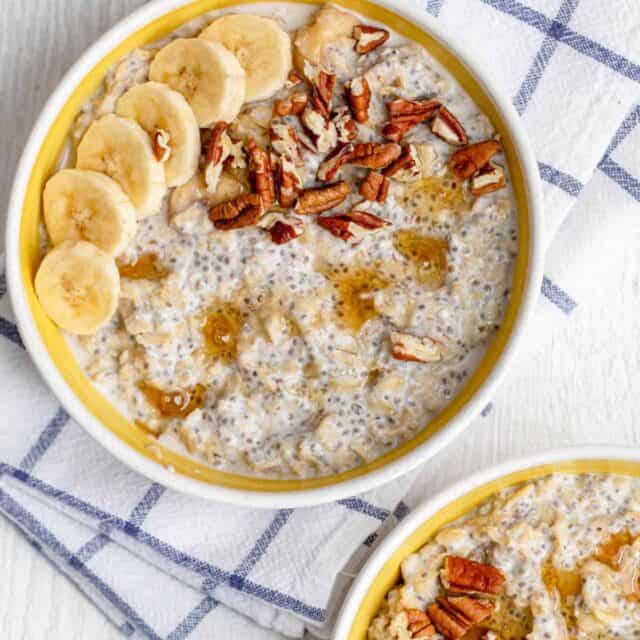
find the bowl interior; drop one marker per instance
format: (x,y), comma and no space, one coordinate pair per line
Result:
(53,343)
(389,574)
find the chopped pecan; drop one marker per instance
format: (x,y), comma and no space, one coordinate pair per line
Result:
(352,226)
(346,127)
(284,142)
(317,200)
(218,149)
(454,617)
(406,114)
(281,228)
(359,97)
(330,166)
(489,178)
(368,38)
(323,85)
(243,211)
(293,79)
(419,624)
(407,167)
(374,187)
(260,174)
(322,133)
(294,105)
(375,155)
(469,160)
(460,575)
(446,126)
(160,145)
(288,182)
(405,346)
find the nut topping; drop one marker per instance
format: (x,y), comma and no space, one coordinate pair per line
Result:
(260,174)
(374,155)
(284,142)
(330,166)
(323,135)
(346,126)
(353,225)
(414,348)
(454,617)
(460,575)
(312,201)
(288,182)
(160,145)
(419,624)
(369,38)
(407,167)
(374,187)
(406,114)
(282,228)
(218,150)
(323,85)
(293,79)
(469,160)
(359,97)
(243,211)
(447,127)
(294,105)
(489,178)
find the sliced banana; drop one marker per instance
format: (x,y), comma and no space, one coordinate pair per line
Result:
(87,205)
(121,148)
(78,286)
(206,73)
(262,48)
(156,107)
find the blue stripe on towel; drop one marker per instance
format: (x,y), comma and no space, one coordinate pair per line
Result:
(364,507)
(46,438)
(193,618)
(434,7)
(621,177)
(559,179)
(557,296)
(10,331)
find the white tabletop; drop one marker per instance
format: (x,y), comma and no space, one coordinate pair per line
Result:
(579,390)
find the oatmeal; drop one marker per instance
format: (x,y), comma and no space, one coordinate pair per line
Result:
(324,243)
(557,558)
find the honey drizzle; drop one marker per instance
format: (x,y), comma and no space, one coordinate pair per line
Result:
(221,329)
(146,267)
(428,254)
(431,195)
(174,404)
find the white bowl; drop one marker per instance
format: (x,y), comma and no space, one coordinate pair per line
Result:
(58,367)
(380,572)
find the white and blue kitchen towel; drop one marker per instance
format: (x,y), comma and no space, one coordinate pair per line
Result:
(163,565)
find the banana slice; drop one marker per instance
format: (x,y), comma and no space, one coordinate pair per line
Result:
(262,48)
(86,205)
(121,148)
(156,107)
(207,74)
(78,286)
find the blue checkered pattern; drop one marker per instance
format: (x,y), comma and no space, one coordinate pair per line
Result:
(166,566)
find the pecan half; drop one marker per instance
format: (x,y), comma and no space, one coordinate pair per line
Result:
(319,199)
(374,187)
(410,348)
(352,226)
(460,575)
(489,178)
(218,149)
(323,85)
(406,114)
(160,145)
(407,167)
(288,182)
(375,155)
(243,211)
(469,160)
(293,79)
(345,125)
(454,617)
(260,174)
(419,624)
(330,166)
(284,142)
(359,97)
(282,228)
(322,133)
(294,105)
(447,127)
(369,38)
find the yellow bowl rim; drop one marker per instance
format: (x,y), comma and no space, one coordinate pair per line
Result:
(377,575)
(247,490)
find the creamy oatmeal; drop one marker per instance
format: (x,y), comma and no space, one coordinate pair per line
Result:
(558,558)
(313,284)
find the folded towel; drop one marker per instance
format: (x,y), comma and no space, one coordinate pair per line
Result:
(164,565)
